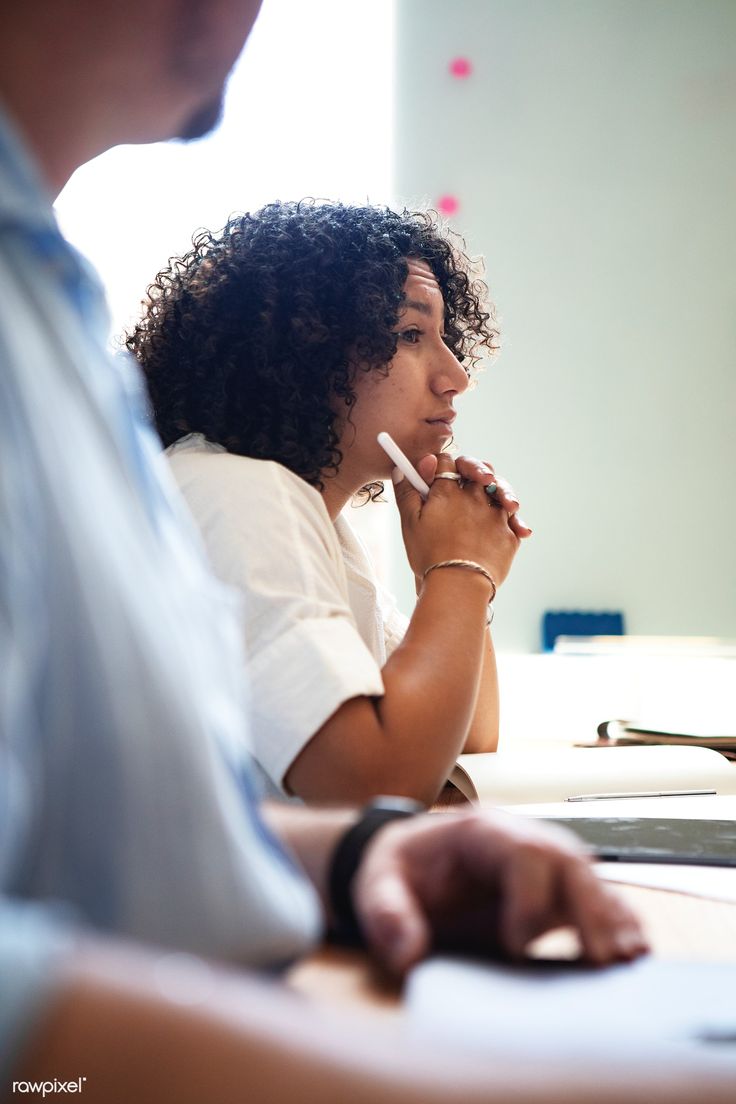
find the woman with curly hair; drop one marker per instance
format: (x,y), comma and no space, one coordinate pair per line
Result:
(275,352)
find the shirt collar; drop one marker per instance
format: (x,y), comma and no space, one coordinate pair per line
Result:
(26,208)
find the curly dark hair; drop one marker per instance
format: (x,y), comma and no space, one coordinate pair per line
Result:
(250,336)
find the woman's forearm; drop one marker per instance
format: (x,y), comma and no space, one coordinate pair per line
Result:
(438,683)
(484,728)
(407,741)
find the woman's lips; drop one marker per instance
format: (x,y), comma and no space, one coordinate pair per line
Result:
(443,423)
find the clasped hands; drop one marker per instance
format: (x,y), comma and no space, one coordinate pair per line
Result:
(482,472)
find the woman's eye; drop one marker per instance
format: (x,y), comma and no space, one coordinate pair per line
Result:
(410,337)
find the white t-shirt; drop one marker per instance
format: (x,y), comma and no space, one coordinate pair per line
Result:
(318,627)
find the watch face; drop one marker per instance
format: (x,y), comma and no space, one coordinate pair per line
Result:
(401,806)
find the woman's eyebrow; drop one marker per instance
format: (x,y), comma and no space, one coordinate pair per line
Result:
(417,305)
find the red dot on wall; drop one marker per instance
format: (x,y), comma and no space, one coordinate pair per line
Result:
(461,67)
(448,205)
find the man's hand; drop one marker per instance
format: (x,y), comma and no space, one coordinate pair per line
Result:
(484,882)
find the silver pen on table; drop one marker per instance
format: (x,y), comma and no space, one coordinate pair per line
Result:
(641,793)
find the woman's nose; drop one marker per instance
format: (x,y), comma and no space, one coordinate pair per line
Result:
(449,374)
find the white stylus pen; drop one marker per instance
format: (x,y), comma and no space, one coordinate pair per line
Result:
(403,463)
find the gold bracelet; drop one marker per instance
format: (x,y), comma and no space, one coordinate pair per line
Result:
(471,565)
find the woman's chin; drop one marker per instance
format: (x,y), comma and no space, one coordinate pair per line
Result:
(440,436)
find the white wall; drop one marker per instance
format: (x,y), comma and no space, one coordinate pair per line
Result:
(593,151)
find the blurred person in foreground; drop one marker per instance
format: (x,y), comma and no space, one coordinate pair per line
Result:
(126,806)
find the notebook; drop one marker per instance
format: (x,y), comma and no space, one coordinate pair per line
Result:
(656,839)
(516,777)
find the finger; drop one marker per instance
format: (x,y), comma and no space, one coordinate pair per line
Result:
(505,495)
(408,499)
(392,920)
(609,930)
(474,471)
(446,487)
(530,898)
(516,525)
(547,883)
(445,462)
(427,467)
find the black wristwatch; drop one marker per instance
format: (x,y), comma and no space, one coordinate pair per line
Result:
(346,859)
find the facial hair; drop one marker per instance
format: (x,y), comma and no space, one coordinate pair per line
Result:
(204,120)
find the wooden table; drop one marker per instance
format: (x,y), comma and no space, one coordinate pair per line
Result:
(679,927)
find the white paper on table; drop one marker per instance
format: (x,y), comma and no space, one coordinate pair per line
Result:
(708,807)
(637,1010)
(716,882)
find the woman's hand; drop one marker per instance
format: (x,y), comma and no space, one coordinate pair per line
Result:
(481,471)
(458,520)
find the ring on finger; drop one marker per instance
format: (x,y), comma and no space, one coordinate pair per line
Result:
(491,488)
(455,476)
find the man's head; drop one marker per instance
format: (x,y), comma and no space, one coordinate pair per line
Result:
(204,45)
(80,76)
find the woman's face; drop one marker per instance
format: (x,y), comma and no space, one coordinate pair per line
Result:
(414,402)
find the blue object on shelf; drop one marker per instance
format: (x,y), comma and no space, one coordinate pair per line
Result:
(580,623)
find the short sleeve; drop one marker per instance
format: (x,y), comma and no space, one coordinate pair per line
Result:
(268,534)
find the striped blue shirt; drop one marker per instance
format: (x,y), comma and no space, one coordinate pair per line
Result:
(124,760)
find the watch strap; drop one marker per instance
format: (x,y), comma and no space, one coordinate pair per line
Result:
(347,857)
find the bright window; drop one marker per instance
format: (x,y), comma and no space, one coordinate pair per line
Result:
(308,113)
